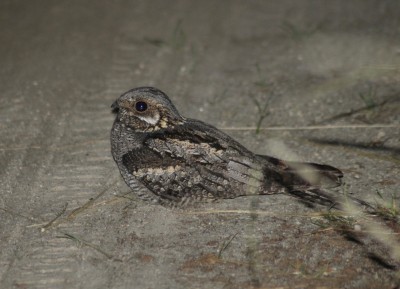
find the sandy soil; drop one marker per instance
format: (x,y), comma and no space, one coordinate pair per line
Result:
(324,74)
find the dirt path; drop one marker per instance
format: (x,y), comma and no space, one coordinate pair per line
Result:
(67,220)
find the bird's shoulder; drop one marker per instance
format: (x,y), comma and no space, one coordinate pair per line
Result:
(197,133)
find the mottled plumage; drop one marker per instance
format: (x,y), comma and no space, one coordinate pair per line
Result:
(176,160)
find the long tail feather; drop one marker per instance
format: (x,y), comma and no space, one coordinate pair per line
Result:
(301,176)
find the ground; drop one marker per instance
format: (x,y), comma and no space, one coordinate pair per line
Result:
(306,79)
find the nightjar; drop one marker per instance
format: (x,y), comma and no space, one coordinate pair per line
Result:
(175,160)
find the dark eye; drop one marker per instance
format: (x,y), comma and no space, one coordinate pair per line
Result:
(141,106)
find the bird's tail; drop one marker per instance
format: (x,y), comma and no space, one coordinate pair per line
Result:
(307,180)
(312,175)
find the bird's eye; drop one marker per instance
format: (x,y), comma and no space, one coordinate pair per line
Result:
(141,106)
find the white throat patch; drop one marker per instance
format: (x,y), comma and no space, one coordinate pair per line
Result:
(152,120)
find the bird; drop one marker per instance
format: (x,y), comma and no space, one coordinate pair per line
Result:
(176,161)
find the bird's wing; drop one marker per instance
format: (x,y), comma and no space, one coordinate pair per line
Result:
(195,161)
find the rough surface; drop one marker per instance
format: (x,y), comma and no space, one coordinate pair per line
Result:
(69,221)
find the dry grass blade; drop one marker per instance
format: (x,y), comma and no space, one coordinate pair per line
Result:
(226,244)
(81,242)
(58,215)
(313,127)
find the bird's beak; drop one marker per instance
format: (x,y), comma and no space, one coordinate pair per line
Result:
(115,107)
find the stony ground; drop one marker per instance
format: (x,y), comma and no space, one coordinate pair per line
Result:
(313,80)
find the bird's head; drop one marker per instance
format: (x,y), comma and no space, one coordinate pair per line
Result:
(146,109)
